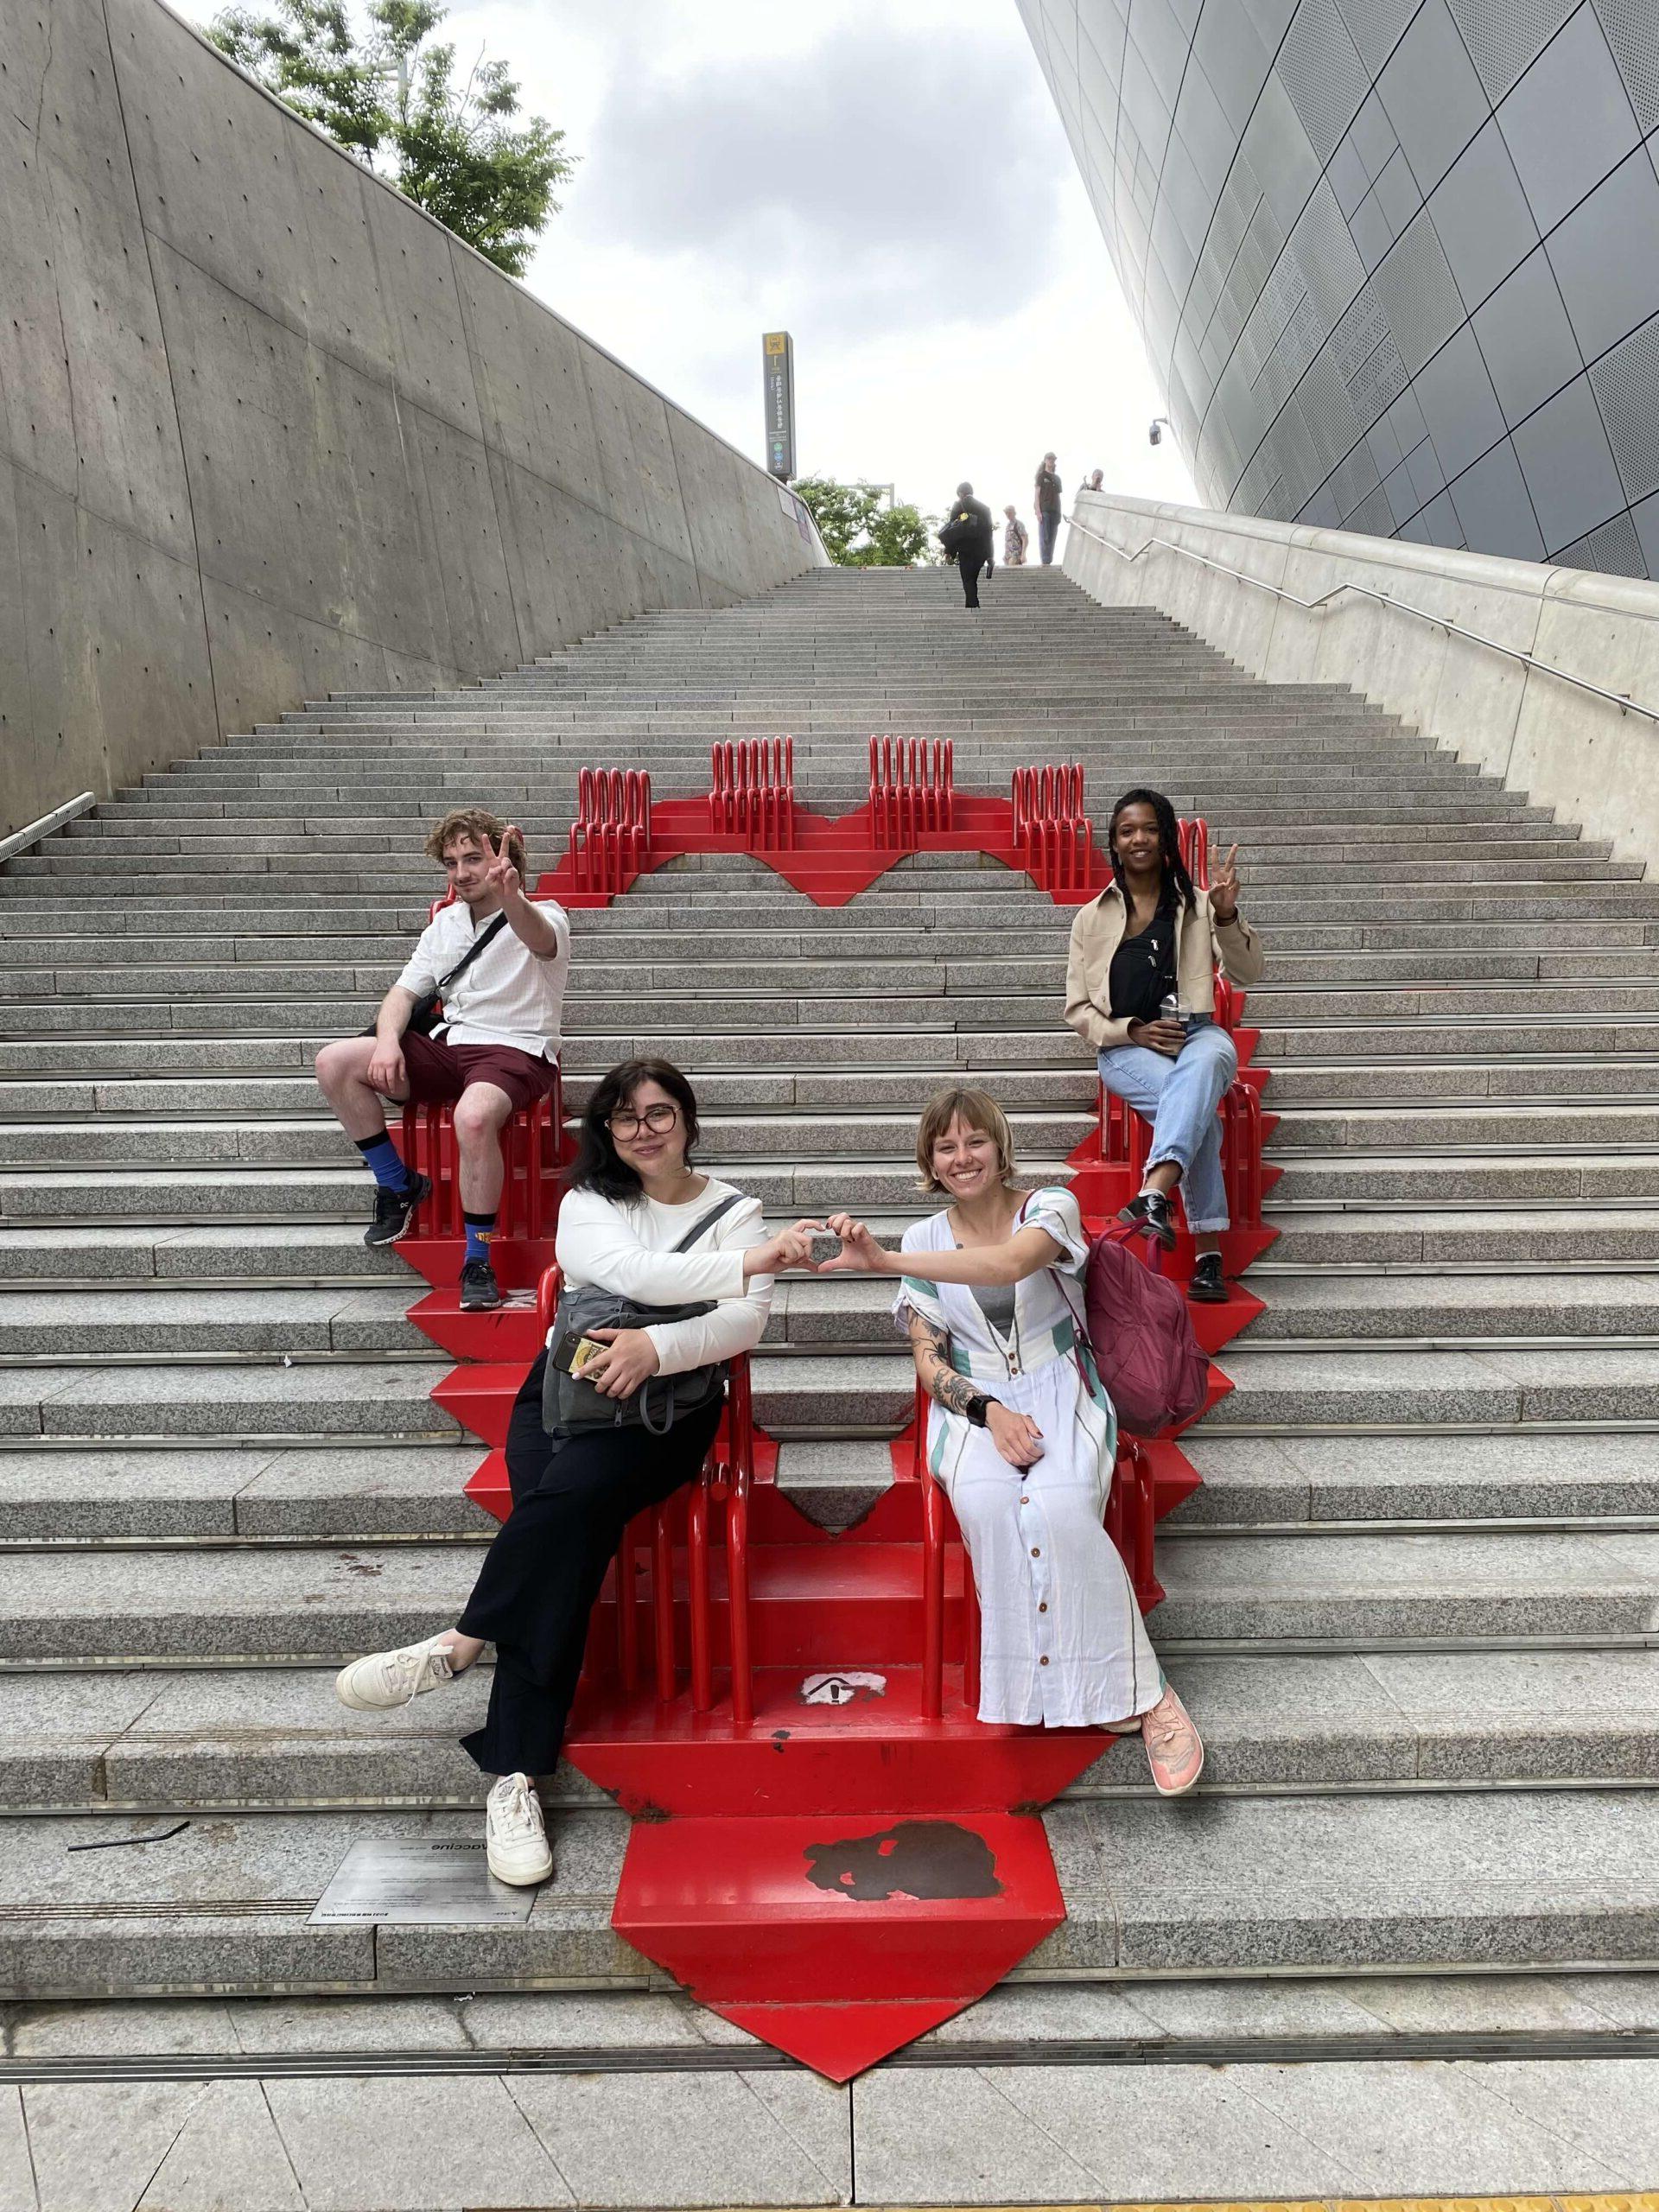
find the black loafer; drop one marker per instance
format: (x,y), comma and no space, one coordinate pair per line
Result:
(1209,1285)
(1149,1213)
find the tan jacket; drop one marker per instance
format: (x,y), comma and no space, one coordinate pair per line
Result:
(1098,931)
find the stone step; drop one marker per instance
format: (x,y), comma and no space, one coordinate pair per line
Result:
(246,1398)
(1318,1591)
(1397,1391)
(1422,1477)
(1433,1180)
(1392,1723)
(135,1320)
(1436,1246)
(1148,1892)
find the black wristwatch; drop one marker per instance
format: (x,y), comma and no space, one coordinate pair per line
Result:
(979,1409)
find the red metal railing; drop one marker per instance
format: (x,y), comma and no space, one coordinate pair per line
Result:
(684,1522)
(531,1149)
(751,791)
(1195,849)
(1052,833)
(610,838)
(1126,1141)
(1130,1519)
(912,788)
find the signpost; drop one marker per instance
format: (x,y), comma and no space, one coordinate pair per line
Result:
(778,359)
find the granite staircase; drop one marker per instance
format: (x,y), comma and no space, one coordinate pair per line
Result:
(1414,1605)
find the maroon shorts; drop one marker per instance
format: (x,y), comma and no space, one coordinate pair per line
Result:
(439,1072)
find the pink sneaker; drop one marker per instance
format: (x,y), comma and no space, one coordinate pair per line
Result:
(1174,1748)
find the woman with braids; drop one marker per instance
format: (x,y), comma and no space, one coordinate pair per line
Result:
(1141,987)
(1022,1438)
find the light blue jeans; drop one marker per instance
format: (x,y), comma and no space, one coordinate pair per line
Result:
(1179,1098)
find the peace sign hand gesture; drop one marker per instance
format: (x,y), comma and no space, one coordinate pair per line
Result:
(1223,891)
(501,875)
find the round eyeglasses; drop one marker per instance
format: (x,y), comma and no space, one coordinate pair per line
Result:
(656,1118)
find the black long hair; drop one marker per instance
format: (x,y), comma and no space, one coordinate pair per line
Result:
(1177,883)
(598,1166)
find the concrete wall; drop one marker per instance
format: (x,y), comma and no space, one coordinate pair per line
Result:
(266,429)
(1593,761)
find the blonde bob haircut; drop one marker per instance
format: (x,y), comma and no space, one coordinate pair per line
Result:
(979,1111)
(478,823)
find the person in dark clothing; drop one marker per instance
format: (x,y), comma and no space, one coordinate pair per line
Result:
(622,1229)
(971,527)
(1048,509)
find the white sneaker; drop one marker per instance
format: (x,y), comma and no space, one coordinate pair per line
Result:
(386,1679)
(515,1835)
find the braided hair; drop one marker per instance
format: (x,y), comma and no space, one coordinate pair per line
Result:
(1177,883)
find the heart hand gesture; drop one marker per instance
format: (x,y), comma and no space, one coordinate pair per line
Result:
(501,875)
(1224,892)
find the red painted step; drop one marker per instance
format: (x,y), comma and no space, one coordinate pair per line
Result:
(874,1754)
(824,1926)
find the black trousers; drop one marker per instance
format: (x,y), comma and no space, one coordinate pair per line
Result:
(968,568)
(541,1576)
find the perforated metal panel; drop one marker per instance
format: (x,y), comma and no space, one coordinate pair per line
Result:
(1631,28)
(1614,548)
(1373,517)
(1290,369)
(1626,386)
(1319,67)
(1375,27)
(1419,294)
(1504,35)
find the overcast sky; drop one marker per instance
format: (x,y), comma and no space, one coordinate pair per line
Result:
(891,185)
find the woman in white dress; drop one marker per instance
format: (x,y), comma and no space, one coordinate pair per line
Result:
(1023,1438)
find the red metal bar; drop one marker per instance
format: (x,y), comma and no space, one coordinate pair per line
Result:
(912,789)
(699,1595)
(970,1634)
(662,1600)
(740,1419)
(627,1603)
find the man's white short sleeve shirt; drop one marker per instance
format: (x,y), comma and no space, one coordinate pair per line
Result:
(507,996)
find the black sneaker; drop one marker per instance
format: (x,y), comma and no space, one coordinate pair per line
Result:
(480,1291)
(1209,1285)
(1149,1213)
(395,1209)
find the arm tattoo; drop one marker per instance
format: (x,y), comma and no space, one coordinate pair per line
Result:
(939,1379)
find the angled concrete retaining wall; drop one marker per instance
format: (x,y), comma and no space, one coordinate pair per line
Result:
(266,429)
(1593,761)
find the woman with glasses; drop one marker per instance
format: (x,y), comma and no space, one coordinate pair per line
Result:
(633,1195)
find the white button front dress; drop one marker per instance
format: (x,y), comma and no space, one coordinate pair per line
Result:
(1062,1644)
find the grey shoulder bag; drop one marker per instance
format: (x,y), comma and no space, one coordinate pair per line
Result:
(569,1404)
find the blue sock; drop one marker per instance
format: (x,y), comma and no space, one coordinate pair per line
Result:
(479,1229)
(384,1161)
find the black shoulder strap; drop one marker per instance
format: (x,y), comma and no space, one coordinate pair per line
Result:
(473,951)
(707,1220)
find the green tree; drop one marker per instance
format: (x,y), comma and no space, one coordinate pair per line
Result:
(860,532)
(391,98)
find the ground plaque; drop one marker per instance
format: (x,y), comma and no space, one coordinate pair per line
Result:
(417,1884)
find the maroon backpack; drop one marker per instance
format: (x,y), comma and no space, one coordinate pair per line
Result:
(1142,1335)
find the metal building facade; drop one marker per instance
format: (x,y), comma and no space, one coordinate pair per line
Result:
(1396,261)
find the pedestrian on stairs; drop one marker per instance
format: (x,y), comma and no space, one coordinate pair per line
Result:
(1023,1437)
(623,1227)
(1047,509)
(1140,988)
(1015,538)
(498,960)
(968,537)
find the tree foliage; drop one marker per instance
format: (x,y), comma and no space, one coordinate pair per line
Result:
(390,96)
(860,532)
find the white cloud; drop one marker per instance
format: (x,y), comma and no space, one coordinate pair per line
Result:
(892,187)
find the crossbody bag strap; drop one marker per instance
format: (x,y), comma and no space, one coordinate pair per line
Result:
(470,954)
(707,1221)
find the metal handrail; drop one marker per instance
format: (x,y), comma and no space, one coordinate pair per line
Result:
(1622,700)
(32,832)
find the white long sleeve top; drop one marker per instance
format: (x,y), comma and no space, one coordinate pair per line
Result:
(624,1246)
